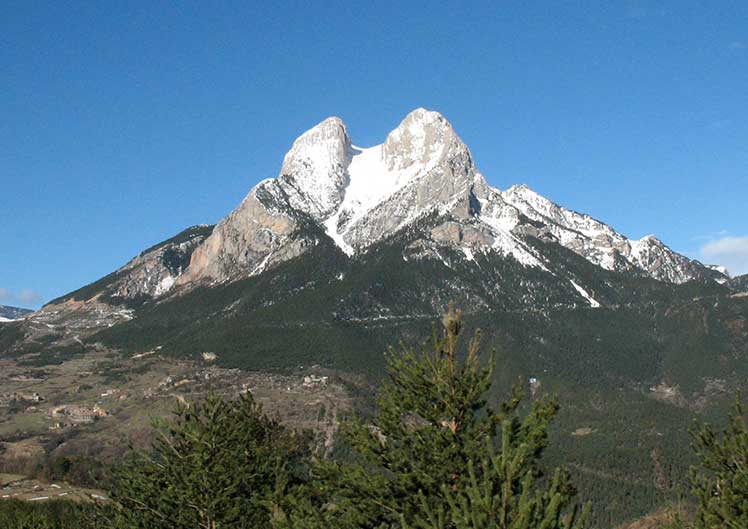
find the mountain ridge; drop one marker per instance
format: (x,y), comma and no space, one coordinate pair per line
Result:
(8,313)
(359,196)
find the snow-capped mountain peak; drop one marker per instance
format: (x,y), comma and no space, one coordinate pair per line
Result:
(422,138)
(314,169)
(359,196)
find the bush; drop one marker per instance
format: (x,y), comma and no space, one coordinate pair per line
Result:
(217,464)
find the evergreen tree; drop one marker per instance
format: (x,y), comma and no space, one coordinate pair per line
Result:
(437,456)
(720,481)
(217,464)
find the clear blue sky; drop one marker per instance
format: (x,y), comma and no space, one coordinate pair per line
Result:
(122,123)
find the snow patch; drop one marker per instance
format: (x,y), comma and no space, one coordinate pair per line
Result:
(164,285)
(509,245)
(331,227)
(442,259)
(721,269)
(261,267)
(593,303)
(370,182)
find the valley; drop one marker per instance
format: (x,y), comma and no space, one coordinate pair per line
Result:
(98,405)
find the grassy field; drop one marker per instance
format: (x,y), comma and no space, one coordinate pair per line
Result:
(15,486)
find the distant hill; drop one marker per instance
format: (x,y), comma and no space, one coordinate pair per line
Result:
(13,313)
(740,283)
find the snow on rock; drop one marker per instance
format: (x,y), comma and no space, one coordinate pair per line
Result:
(721,269)
(651,255)
(164,285)
(362,195)
(421,139)
(508,244)
(593,240)
(314,170)
(422,166)
(593,303)
(599,243)
(370,181)
(332,229)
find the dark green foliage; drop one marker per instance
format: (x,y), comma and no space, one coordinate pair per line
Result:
(323,308)
(40,351)
(437,456)
(81,470)
(720,481)
(10,335)
(218,464)
(42,355)
(176,260)
(53,514)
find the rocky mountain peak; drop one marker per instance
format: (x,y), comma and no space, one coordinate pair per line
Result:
(421,167)
(423,138)
(314,169)
(325,143)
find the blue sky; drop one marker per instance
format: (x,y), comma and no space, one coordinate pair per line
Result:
(122,123)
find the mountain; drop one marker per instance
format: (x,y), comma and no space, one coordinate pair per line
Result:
(357,197)
(351,249)
(12,313)
(739,283)
(360,196)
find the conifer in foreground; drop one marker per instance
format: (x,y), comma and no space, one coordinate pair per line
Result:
(436,455)
(720,481)
(219,464)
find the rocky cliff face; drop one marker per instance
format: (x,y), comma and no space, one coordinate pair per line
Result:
(422,167)
(154,272)
(739,283)
(265,228)
(602,245)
